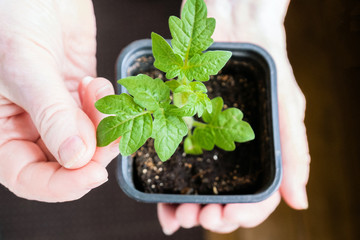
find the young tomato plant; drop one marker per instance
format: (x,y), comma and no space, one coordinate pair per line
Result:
(165,111)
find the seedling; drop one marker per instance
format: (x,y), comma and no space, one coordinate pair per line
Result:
(165,111)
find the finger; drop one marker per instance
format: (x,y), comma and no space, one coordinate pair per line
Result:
(30,176)
(211,218)
(104,155)
(8,108)
(65,129)
(39,87)
(91,90)
(295,151)
(44,149)
(19,126)
(167,218)
(187,215)
(251,214)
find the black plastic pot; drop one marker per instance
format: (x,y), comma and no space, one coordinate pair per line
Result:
(266,145)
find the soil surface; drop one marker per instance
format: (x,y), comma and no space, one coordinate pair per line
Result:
(217,171)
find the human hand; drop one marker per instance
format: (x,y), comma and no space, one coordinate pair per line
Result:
(259,22)
(47,117)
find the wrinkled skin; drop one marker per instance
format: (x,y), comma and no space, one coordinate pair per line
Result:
(260,22)
(47,115)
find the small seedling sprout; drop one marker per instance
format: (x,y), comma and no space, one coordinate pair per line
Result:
(165,111)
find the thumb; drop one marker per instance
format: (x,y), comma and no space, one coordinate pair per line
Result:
(38,52)
(65,129)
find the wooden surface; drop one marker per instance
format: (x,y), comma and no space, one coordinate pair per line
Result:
(323,43)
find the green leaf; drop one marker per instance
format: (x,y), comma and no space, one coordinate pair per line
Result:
(229,128)
(183,89)
(108,131)
(179,112)
(188,109)
(172,84)
(165,58)
(168,132)
(222,128)
(116,104)
(205,137)
(191,146)
(147,92)
(192,33)
(198,86)
(202,103)
(192,99)
(232,125)
(217,106)
(131,123)
(200,67)
(191,36)
(195,103)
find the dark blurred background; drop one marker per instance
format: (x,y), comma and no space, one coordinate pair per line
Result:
(323,43)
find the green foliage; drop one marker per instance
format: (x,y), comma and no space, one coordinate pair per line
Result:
(168,132)
(165,58)
(147,92)
(222,128)
(130,122)
(191,36)
(149,111)
(192,33)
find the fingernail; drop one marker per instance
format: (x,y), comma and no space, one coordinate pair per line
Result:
(168,232)
(104,91)
(86,80)
(71,150)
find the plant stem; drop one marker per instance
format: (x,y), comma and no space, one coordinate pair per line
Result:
(184,81)
(198,124)
(189,122)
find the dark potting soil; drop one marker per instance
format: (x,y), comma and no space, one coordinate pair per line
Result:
(213,172)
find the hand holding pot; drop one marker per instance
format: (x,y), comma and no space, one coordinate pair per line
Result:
(47,118)
(262,23)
